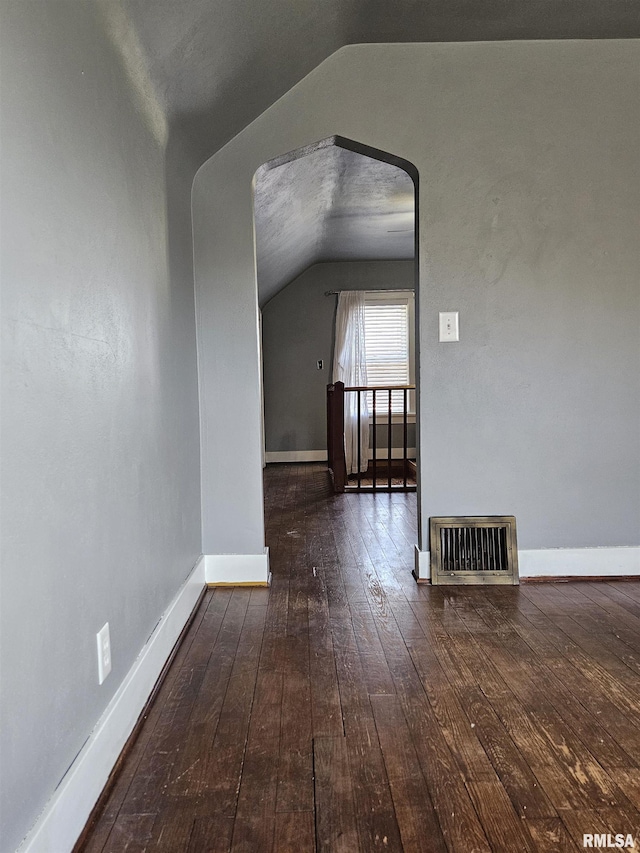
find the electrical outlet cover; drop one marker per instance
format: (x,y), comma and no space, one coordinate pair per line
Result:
(104,652)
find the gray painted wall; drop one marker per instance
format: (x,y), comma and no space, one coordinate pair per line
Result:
(528,158)
(100,444)
(297,330)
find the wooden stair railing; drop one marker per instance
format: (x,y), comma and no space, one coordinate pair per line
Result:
(335,438)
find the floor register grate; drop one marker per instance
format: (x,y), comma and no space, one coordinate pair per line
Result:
(473,550)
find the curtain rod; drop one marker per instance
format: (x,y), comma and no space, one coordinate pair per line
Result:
(389,290)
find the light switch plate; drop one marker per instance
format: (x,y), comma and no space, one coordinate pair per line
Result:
(449,329)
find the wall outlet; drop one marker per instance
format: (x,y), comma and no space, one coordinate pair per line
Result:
(319,364)
(104,653)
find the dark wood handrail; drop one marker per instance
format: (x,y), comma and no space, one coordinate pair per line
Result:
(381,388)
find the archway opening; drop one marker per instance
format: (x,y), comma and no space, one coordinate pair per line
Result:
(332,217)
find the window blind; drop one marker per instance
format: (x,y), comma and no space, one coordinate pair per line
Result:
(387,348)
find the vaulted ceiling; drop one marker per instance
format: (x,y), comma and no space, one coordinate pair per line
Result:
(329,205)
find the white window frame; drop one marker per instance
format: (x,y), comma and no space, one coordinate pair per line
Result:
(399,297)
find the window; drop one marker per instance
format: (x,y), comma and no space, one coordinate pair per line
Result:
(389,341)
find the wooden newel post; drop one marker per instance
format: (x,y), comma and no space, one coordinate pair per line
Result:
(335,435)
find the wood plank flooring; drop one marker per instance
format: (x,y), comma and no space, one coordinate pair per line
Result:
(349,709)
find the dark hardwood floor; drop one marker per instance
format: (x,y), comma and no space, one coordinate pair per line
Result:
(349,709)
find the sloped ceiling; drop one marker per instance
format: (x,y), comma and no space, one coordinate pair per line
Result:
(217,64)
(329,205)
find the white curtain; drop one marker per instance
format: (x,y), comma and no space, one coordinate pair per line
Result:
(350,367)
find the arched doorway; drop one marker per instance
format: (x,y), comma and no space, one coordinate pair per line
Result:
(329,217)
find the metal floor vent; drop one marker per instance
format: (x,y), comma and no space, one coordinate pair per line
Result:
(473,550)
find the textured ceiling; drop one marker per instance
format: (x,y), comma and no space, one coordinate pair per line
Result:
(217,64)
(331,204)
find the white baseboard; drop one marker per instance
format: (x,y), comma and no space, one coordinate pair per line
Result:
(295,456)
(237,569)
(67,812)
(579,562)
(321,455)
(561,562)
(422,564)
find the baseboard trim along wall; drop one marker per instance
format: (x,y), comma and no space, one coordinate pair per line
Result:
(321,455)
(295,456)
(237,569)
(579,562)
(422,570)
(67,812)
(560,562)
